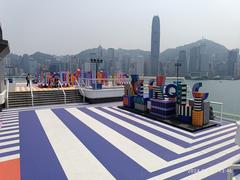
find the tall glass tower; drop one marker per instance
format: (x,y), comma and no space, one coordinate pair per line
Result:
(155,46)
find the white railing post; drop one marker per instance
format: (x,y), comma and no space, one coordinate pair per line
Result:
(81,91)
(7,95)
(31,93)
(64,94)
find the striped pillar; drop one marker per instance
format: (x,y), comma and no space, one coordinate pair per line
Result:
(198,104)
(140,90)
(158,93)
(183,94)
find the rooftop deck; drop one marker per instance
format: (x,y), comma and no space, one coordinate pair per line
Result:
(80,141)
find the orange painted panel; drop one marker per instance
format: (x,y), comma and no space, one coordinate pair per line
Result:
(10,170)
(197,118)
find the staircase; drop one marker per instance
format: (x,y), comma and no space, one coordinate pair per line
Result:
(19,99)
(48,97)
(24,99)
(73,96)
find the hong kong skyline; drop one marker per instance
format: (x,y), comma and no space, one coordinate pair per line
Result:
(68,27)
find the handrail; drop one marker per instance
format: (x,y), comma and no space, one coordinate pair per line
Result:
(80,90)
(7,96)
(31,92)
(65,100)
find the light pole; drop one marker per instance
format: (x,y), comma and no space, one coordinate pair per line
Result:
(177,65)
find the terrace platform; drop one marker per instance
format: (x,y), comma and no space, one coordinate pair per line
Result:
(80,141)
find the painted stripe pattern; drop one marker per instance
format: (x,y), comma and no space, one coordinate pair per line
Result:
(110,143)
(9,136)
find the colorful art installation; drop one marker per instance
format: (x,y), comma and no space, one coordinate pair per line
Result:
(160,106)
(50,80)
(130,92)
(140,103)
(168,101)
(200,113)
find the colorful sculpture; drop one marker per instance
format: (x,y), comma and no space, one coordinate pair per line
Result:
(200,113)
(168,102)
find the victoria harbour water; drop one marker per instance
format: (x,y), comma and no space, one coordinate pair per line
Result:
(226,91)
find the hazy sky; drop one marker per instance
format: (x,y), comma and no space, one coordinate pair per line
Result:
(70,26)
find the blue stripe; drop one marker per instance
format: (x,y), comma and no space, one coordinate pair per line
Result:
(10,122)
(161,151)
(3,135)
(38,159)
(9,153)
(10,139)
(173,130)
(211,163)
(148,129)
(9,145)
(2,130)
(117,163)
(10,126)
(170,168)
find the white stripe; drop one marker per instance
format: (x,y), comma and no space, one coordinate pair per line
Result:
(10,113)
(9,132)
(7,118)
(196,154)
(195,164)
(210,141)
(9,137)
(140,155)
(173,134)
(10,149)
(180,130)
(10,157)
(7,128)
(156,139)
(76,160)
(12,124)
(162,142)
(9,142)
(214,169)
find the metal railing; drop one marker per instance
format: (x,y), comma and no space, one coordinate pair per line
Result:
(7,93)
(81,90)
(30,85)
(64,94)
(106,82)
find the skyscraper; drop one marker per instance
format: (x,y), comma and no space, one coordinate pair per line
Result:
(182,59)
(232,62)
(199,62)
(155,46)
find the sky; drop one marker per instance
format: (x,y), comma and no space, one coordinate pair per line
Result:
(69,26)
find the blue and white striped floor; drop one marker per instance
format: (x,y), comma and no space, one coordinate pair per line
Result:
(87,142)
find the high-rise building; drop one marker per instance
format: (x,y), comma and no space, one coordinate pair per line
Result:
(199,62)
(232,62)
(155,46)
(182,59)
(194,62)
(111,60)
